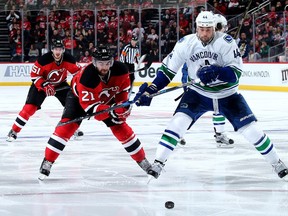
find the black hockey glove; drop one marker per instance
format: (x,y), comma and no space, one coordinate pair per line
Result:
(208,74)
(142,97)
(120,114)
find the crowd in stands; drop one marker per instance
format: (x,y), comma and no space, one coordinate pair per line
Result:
(76,26)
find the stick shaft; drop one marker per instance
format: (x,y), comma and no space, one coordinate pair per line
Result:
(127,103)
(240,26)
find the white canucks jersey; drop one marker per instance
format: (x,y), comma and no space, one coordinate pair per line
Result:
(222,51)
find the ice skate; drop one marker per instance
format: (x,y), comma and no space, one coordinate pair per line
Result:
(281,170)
(12,136)
(155,170)
(78,135)
(182,141)
(223,141)
(145,165)
(45,169)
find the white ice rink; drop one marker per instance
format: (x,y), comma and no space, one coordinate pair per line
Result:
(96,177)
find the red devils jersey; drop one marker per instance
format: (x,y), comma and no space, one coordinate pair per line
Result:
(94,90)
(46,69)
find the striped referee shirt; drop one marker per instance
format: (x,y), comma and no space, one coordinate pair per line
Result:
(129,54)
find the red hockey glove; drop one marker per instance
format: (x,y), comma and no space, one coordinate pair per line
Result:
(48,88)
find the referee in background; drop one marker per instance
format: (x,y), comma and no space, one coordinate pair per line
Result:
(129,55)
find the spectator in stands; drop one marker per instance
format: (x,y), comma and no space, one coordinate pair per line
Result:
(187,12)
(87,24)
(89,36)
(232,7)
(139,31)
(264,49)
(253,57)
(69,42)
(220,7)
(167,39)
(87,58)
(12,18)
(17,57)
(41,19)
(91,47)
(44,49)
(152,35)
(82,43)
(55,36)
(166,16)
(52,26)
(33,53)
(183,22)
(244,48)
(112,25)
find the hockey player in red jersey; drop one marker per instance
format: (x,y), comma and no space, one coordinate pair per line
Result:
(100,85)
(48,74)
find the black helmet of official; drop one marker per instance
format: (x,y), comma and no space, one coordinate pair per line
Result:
(134,38)
(102,53)
(57,43)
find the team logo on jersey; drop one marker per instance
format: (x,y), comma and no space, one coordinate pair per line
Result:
(108,93)
(228,38)
(56,76)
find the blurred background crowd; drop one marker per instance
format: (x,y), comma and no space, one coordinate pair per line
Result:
(27,27)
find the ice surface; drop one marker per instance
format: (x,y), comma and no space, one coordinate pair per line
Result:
(96,177)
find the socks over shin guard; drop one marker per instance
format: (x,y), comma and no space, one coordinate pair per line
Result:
(129,141)
(27,111)
(58,140)
(261,142)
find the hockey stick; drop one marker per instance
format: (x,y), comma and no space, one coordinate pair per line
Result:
(146,66)
(163,91)
(140,61)
(240,26)
(62,88)
(124,104)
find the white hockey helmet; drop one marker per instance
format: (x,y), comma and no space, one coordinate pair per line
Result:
(221,23)
(205,19)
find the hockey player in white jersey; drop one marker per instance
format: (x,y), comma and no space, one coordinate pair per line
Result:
(214,59)
(221,138)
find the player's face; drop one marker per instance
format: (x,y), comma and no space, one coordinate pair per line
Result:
(57,53)
(103,66)
(205,33)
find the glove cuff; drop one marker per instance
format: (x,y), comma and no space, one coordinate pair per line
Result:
(152,89)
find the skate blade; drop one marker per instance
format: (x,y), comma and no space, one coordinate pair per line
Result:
(10,139)
(285,178)
(150,178)
(225,146)
(42,177)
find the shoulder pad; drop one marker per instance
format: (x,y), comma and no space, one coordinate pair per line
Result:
(45,59)
(69,58)
(90,77)
(119,69)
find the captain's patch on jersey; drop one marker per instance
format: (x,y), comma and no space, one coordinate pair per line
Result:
(228,38)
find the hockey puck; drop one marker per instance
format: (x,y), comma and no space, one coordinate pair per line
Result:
(169,204)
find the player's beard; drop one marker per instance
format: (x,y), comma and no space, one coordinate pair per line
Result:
(205,39)
(103,72)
